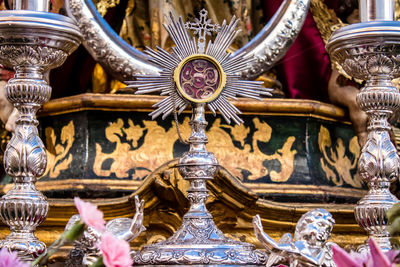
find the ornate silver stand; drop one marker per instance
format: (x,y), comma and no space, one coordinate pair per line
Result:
(32,43)
(370,51)
(198,241)
(200,75)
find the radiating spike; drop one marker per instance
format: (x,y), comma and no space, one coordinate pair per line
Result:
(244,88)
(226,43)
(174,33)
(222,105)
(224,57)
(179,50)
(152,80)
(231,61)
(161,58)
(167,55)
(227,36)
(212,109)
(220,36)
(186,37)
(162,61)
(237,67)
(221,111)
(179,54)
(179,33)
(228,91)
(184,106)
(209,47)
(194,45)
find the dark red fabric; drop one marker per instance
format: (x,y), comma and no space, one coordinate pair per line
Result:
(305,69)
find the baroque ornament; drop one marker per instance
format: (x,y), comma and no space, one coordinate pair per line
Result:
(32,43)
(309,247)
(356,49)
(199,73)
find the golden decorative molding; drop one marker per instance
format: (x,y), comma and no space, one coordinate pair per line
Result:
(117,102)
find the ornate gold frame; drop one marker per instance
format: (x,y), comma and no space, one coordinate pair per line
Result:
(221,73)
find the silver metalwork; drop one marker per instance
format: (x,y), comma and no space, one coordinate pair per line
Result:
(33,5)
(186,48)
(275,39)
(370,51)
(376,10)
(32,43)
(202,27)
(123,61)
(309,247)
(198,240)
(120,59)
(86,251)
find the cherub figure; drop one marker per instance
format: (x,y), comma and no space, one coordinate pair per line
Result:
(309,246)
(86,252)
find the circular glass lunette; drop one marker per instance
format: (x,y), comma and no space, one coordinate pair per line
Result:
(199,78)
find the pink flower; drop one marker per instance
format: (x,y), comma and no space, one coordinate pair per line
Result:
(90,215)
(374,258)
(116,252)
(10,259)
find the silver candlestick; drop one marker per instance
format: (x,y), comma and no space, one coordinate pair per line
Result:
(32,43)
(370,51)
(33,5)
(200,74)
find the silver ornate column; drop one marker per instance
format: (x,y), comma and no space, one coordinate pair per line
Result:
(32,43)
(371,51)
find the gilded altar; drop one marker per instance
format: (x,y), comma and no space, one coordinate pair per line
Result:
(287,157)
(284,157)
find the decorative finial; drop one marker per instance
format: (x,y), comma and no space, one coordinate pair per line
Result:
(202,27)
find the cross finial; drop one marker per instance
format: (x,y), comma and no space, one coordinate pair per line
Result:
(202,27)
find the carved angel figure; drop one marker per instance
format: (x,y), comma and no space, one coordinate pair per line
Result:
(309,246)
(85,251)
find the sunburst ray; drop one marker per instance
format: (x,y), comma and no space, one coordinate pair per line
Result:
(189,49)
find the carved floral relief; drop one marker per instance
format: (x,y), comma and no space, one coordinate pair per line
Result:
(336,163)
(158,148)
(57,149)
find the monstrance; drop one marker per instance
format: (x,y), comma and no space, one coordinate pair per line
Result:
(199,74)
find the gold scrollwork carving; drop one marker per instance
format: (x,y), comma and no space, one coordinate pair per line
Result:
(158,145)
(104,5)
(57,150)
(335,163)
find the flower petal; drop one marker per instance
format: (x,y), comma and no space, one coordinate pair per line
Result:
(378,257)
(10,259)
(116,253)
(342,258)
(90,215)
(392,255)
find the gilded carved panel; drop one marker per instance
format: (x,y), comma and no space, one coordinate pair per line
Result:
(280,157)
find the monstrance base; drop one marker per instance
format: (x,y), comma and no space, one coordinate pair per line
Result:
(199,242)
(233,254)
